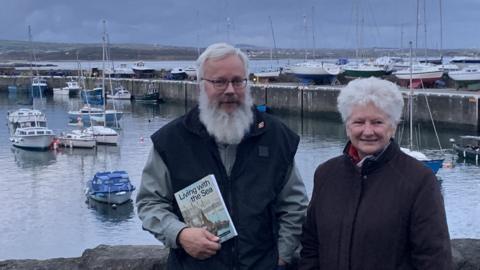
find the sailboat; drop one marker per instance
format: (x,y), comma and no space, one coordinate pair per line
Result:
(103,134)
(318,72)
(424,73)
(434,164)
(38,85)
(96,96)
(271,73)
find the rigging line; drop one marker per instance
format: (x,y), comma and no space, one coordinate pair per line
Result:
(374,21)
(433,124)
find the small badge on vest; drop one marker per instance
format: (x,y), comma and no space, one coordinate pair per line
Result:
(261,124)
(263,151)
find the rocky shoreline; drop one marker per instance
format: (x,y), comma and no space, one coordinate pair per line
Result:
(466,256)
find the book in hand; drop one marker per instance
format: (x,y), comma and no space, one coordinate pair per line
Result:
(202,206)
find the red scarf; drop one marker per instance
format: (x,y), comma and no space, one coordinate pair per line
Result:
(353,154)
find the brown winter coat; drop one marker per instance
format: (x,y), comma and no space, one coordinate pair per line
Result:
(387,215)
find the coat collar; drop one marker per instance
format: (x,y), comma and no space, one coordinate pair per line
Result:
(374,162)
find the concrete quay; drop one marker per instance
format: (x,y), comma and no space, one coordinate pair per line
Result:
(465,253)
(448,107)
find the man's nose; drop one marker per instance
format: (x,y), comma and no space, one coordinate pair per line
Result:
(229,89)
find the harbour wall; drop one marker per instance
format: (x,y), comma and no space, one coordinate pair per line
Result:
(447,107)
(465,255)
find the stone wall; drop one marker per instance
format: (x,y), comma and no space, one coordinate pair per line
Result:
(447,106)
(466,256)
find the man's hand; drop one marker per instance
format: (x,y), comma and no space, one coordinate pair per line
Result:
(199,243)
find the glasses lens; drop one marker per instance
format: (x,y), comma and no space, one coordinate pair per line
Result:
(220,84)
(238,83)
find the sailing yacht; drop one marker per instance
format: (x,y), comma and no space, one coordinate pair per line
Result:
(434,164)
(103,134)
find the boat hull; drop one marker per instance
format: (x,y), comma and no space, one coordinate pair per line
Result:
(112,197)
(34,142)
(148,98)
(434,164)
(352,73)
(467,153)
(103,135)
(77,143)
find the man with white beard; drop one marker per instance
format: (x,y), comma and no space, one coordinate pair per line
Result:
(251,155)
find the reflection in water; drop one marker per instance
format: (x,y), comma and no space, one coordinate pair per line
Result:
(110,213)
(31,159)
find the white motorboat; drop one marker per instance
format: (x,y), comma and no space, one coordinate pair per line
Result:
(72,89)
(468,74)
(464,61)
(35,138)
(183,73)
(267,74)
(120,93)
(102,135)
(142,71)
(77,139)
(25,117)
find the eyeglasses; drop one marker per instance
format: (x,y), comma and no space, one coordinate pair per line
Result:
(222,84)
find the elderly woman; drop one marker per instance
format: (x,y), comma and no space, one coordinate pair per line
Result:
(374,207)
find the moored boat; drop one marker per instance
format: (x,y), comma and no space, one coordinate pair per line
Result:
(364,70)
(120,93)
(33,138)
(102,134)
(318,72)
(72,89)
(39,87)
(87,112)
(110,187)
(468,148)
(142,71)
(466,76)
(419,74)
(77,139)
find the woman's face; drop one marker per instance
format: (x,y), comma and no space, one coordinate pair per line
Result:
(369,129)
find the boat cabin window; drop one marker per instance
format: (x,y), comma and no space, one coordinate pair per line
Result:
(31,133)
(40,132)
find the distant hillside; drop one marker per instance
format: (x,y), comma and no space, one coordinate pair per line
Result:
(48,51)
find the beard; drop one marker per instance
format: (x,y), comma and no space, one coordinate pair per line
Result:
(227,128)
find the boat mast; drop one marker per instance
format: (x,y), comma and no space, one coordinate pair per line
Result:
(425,26)
(31,48)
(103,62)
(313,33)
(410,99)
(274,42)
(306,34)
(441,28)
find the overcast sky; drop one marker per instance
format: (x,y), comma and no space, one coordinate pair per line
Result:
(296,23)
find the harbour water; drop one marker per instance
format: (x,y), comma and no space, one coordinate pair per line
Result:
(45,213)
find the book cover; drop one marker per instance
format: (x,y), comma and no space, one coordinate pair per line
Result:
(202,206)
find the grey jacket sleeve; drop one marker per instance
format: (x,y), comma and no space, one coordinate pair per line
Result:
(155,202)
(291,207)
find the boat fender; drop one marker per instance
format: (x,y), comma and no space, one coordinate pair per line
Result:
(141,139)
(55,143)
